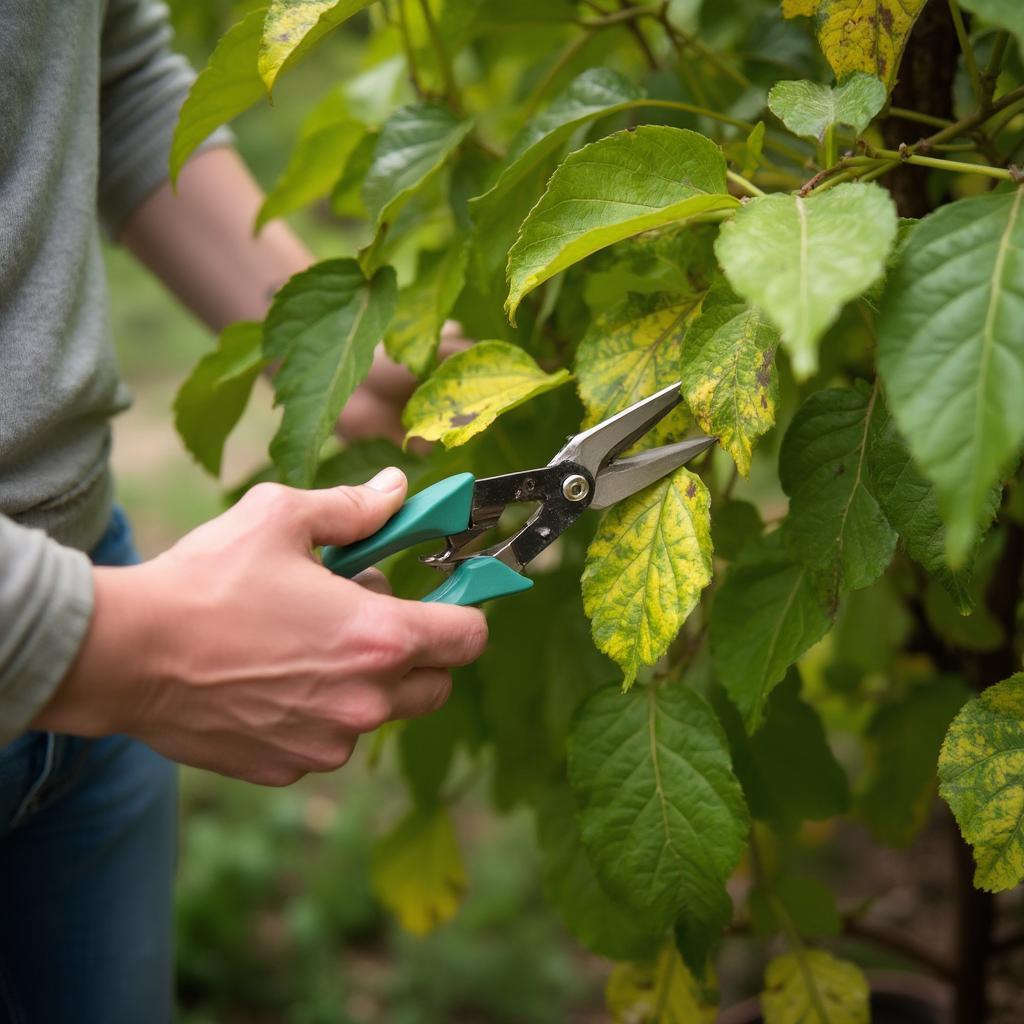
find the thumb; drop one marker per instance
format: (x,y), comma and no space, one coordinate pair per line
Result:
(341,515)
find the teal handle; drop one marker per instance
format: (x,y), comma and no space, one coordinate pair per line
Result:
(439,510)
(479,579)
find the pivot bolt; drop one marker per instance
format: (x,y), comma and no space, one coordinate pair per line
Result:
(575,487)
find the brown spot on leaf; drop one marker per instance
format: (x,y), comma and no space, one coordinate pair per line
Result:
(763,375)
(691,490)
(460,419)
(886,15)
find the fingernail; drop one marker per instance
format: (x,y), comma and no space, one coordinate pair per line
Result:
(389,479)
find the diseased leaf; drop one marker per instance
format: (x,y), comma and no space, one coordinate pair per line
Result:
(902,743)
(951,354)
(468,391)
(414,143)
(814,987)
(290,24)
(631,351)
(729,376)
(327,139)
(800,260)
(768,612)
(787,769)
(646,568)
(809,109)
(981,777)
(571,884)
(661,813)
(1008,14)
(212,400)
(623,184)
(597,92)
(417,872)
(835,523)
(911,506)
(423,307)
(227,85)
(861,35)
(322,327)
(659,992)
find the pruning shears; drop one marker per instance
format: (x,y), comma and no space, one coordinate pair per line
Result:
(584,474)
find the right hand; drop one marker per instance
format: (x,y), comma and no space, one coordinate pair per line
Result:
(237,651)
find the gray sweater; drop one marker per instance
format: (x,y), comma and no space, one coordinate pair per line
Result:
(89,93)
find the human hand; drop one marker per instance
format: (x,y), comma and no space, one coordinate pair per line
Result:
(238,652)
(375,407)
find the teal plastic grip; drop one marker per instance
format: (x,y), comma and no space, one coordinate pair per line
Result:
(437,511)
(479,579)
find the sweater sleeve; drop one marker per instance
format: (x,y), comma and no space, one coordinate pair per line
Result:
(46,601)
(143,84)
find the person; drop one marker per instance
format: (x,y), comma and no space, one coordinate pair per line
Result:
(235,650)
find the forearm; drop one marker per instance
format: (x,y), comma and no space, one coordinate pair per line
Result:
(199,241)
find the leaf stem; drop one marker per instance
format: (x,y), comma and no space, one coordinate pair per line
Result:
(748,186)
(443,60)
(568,54)
(957,166)
(618,17)
(906,114)
(410,56)
(828,147)
(682,39)
(968,51)
(991,73)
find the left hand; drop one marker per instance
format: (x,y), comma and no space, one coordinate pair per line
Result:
(375,408)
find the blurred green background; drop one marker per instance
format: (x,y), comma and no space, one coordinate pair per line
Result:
(276,921)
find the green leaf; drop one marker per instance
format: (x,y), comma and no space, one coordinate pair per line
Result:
(423,307)
(910,504)
(809,109)
(814,987)
(1008,14)
(227,85)
(293,23)
(902,744)
(661,812)
(646,568)
(729,376)
(346,195)
(470,390)
(414,143)
(835,523)
(417,872)
(596,93)
(799,901)
(323,327)
(860,35)
(623,184)
(800,260)
(600,923)
(951,353)
(734,525)
(768,612)
(658,992)
(787,769)
(981,777)
(631,351)
(212,400)
(327,139)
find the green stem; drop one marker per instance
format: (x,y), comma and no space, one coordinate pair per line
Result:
(968,51)
(956,166)
(829,152)
(410,56)
(905,114)
(964,125)
(618,17)
(1008,115)
(748,186)
(684,39)
(572,49)
(995,63)
(443,60)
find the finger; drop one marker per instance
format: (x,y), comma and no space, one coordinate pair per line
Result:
(375,580)
(444,635)
(341,515)
(420,692)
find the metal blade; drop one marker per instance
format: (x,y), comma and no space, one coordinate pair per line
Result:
(594,447)
(627,476)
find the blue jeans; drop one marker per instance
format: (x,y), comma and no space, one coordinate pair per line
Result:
(87,850)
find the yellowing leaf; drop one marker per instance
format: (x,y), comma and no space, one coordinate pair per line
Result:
(631,351)
(860,35)
(664,992)
(614,188)
(471,389)
(729,376)
(291,23)
(417,870)
(646,567)
(813,987)
(981,777)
